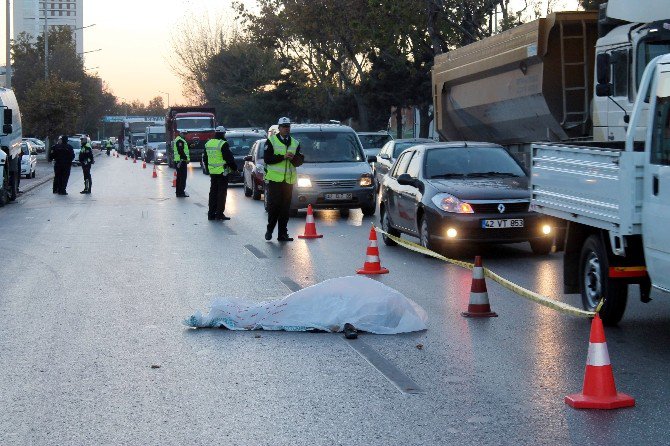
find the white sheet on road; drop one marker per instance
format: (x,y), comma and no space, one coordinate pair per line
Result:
(365,303)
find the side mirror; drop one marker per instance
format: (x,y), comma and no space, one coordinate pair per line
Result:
(248,158)
(384,156)
(626,119)
(372,159)
(603,68)
(405,180)
(7,117)
(603,90)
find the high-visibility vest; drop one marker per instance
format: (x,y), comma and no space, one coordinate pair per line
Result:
(108,145)
(215,162)
(282,171)
(177,158)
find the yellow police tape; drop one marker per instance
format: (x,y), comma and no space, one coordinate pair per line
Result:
(521,291)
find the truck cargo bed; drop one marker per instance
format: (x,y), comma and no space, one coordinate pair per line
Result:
(589,186)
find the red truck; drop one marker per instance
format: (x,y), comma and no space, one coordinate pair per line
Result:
(197,126)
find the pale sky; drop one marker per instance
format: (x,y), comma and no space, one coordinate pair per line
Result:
(134,36)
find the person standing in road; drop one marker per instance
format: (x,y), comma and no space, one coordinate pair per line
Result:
(62,154)
(282,156)
(220,162)
(108,146)
(86,160)
(181,160)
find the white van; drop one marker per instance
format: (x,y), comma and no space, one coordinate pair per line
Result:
(153,137)
(10,142)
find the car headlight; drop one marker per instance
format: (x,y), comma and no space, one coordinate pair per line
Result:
(449,203)
(304,182)
(366,180)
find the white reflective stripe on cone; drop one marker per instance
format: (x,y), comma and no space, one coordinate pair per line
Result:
(373,244)
(310,218)
(598,355)
(478,272)
(479,298)
(372,259)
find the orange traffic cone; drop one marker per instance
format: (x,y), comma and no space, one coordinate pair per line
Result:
(155,174)
(174,179)
(599,391)
(134,160)
(144,164)
(479,297)
(310,226)
(372,264)
(126,157)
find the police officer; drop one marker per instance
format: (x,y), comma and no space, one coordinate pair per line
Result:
(282,156)
(181,160)
(108,146)
(62,154)
(220,162)
(86,160)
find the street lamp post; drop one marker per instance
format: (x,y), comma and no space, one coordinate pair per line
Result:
(46,43)
(8,68)
(168,96)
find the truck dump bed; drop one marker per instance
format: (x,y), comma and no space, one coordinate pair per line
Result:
(530,83)
(589,186)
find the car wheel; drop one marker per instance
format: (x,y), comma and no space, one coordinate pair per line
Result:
(541,246)
(247,190)
(344,213)
(386,226)
(369,211)
(595,283)
(255,193)
(424,234)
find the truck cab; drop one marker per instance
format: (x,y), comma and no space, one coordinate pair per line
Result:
(10,146)
(197,126)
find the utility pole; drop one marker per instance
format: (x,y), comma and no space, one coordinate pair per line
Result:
(8,72)
(46,43)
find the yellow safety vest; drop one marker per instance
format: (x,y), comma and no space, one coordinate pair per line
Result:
(177,158)
(282,171)
(215,162)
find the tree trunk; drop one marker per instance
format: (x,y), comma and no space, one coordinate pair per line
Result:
(363,119)
(398,122)
(425,118)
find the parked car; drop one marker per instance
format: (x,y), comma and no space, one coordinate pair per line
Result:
(374,141)
(240,144)
(389,153)
(96,144)
(336,173)
(28,159)
(157,155)
(456,193)
(254,171)
(75,142)
(39,145)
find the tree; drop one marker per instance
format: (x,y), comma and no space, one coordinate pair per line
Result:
(589,5)
(51,107)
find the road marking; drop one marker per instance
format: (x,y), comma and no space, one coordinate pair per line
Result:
(290,284)
(73,216)
(200,205)
(255,251)
(403,382)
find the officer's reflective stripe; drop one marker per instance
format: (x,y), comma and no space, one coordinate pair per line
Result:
(216,164)
(372,259)
(598,355)
(479,298)
(477,273)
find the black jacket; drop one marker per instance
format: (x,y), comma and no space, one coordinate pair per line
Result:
(86,156)
(62,154)
(270,158)
(228,156)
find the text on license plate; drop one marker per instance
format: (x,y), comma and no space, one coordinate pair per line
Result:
(503,223)
(338,196)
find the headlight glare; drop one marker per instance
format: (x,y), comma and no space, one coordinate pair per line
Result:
(365,181)
(304,182)
(449,203)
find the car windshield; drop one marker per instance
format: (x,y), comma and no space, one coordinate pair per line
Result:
(374,141)
(329,147)
(646,52)
(75,143)
(400,146)
(25,149)
(138,139)
(195,123)
(156,137)
(240,145)
(161,147)
(471,162)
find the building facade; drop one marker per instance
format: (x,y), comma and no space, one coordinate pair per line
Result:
(29,17)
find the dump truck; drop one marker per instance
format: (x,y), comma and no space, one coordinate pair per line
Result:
(569,77)
(197,126)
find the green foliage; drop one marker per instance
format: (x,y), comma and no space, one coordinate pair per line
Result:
(52,107)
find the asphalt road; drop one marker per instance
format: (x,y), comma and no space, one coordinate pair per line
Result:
(94,288)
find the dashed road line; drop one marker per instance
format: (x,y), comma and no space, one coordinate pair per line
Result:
(255,251)
(290,284)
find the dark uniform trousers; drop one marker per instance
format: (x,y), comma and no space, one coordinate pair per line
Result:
(61,177)
(181,178)
(87,176)
(279,203)
(218,192)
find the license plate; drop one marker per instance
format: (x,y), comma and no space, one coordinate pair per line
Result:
(339,196)
(503,223)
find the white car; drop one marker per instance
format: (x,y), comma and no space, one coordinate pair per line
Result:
(76,145)
(37,143)
(28,160)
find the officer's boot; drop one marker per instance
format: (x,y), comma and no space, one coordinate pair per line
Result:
(85,187)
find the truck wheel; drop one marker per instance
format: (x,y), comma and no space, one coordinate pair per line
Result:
(595,283)
(369,211)
(541,246)
(344,213)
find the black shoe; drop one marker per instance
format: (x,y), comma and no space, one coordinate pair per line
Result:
(183,196)
(211,217)
(284,238)
(222,217)
(350,331)
(62,193)
(83,192)
(268,235)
